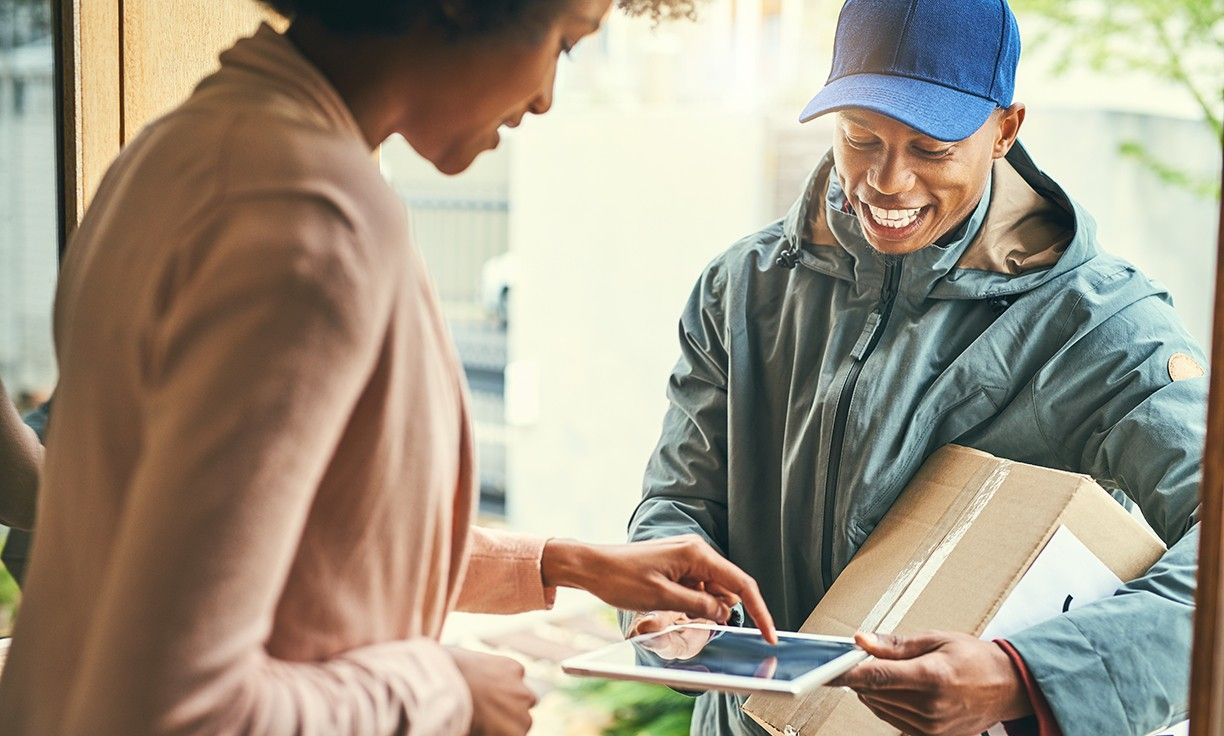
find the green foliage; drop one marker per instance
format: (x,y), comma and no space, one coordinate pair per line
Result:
(1208,188)
(638,709)
(9,595)
(1180,42)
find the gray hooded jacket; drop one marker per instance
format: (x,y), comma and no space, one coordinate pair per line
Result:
(806,398)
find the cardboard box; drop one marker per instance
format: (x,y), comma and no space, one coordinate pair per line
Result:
(948,555)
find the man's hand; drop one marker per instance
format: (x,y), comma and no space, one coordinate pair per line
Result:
(679,573)
(937,683)
(678,645)
(649,622)
(501,701)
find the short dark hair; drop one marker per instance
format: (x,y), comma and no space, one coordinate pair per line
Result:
(456,18)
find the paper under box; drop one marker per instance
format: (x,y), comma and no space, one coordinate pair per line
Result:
(949,553)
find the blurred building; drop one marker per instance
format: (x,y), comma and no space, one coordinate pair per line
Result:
(27,216)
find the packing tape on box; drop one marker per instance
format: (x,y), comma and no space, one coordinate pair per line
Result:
(913,579)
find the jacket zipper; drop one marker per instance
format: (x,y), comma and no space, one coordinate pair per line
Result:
(877,321)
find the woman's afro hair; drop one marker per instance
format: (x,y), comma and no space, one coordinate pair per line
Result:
(457,18)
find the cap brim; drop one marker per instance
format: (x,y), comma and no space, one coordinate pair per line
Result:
(940,112)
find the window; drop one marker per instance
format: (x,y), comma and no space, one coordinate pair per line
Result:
(28,215)
(462,229)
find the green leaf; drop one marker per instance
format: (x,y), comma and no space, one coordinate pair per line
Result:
(637,709)
(1208,188)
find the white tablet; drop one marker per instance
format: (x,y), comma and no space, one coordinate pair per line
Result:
(708,657)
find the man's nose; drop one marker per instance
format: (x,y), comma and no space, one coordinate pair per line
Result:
(890,175)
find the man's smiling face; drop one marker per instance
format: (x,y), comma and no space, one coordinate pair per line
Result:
(910,190)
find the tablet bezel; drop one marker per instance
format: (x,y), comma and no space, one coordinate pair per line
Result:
(589,665)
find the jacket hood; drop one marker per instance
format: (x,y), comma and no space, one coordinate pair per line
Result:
(1025,233)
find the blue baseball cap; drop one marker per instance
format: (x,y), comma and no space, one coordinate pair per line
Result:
(939,66)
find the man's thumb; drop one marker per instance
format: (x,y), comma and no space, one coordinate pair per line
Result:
(894,646)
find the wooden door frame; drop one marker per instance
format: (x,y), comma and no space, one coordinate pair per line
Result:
(1207,669)
(105,55)
(90,78)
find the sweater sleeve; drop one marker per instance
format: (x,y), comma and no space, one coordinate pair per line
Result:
(504,575)
(265,338)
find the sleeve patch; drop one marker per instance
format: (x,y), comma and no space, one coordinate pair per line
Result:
(1182,366)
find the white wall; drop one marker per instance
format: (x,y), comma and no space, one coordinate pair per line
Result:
(612,219)
(1168,232)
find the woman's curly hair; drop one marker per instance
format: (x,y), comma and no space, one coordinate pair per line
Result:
(456,18)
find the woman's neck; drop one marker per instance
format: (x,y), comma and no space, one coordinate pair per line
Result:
(362,70)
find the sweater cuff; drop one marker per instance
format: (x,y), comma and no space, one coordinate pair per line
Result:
(1042,722)
(504,573)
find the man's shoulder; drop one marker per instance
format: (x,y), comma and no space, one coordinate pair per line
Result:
(1108,298)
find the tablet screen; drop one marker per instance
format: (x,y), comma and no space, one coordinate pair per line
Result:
(738,653)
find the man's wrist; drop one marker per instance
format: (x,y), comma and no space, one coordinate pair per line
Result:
(565,563)
(1017,703)
(1046,724)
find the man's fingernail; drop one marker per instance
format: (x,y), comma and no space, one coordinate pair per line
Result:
(870,639)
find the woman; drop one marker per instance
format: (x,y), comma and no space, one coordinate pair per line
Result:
(258,483)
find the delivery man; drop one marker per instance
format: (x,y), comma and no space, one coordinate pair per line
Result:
(932,286)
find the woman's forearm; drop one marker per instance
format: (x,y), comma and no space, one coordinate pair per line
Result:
(21,457)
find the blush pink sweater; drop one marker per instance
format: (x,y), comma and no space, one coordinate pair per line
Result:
(259,477)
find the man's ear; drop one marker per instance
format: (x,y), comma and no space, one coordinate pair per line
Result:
(1010,120)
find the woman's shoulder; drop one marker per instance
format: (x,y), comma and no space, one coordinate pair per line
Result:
(268,196)
(253,159)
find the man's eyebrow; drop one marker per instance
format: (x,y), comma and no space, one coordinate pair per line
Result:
(861,122)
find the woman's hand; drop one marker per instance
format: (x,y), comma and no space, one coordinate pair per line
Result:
(681,574)
(937,683)
(501,701)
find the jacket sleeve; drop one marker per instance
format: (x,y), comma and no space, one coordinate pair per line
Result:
(252,371)
(1107,406)
(1041,722)
(685,485)
(503,574)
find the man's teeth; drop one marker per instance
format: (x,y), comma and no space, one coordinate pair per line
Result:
(894,218)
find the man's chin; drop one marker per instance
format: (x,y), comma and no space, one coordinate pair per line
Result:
(895,247)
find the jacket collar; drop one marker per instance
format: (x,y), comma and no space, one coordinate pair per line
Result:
(1023,232)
